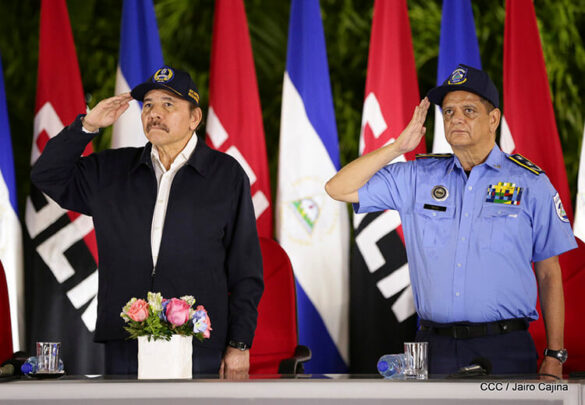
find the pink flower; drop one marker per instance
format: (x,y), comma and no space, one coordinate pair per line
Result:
(201,322)
(177,312)
(138,311)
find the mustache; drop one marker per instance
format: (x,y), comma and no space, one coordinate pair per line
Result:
(157,125)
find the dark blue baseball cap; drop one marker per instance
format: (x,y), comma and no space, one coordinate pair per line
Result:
(174,80)
(466,78)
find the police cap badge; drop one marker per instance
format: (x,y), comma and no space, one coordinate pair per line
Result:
(466,78)
(174,80)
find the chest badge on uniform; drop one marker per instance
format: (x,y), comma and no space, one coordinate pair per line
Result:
(560,209)
(440,193)
(504,193)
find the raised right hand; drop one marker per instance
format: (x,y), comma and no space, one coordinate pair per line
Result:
(345,184)
(415,130)
(106,112)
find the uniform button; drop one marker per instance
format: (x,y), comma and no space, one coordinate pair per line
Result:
(434,214)
(457,294)
(469,188)
(463,238)
(467,214)
(458,264)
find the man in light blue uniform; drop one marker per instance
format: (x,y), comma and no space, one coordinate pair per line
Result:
(474,222)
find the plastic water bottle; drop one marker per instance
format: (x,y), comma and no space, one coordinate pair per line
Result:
(30,365)
(393,365)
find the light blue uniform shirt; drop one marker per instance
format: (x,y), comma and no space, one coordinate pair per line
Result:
(471,243)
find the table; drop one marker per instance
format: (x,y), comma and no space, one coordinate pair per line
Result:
(330,389)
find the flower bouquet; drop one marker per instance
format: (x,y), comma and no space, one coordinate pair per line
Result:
(165,329)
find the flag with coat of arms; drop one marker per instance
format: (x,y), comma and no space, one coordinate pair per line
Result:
(310,226)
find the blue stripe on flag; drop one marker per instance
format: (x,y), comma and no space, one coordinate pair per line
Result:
(140,50)
(308,71)
(458,43)
(306,64)
(6,158)
(325,355)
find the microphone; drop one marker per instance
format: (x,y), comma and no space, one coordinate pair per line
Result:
(478,367)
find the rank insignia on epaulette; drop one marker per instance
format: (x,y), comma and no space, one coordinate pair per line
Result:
(525,163)
(504,193)
(433,155)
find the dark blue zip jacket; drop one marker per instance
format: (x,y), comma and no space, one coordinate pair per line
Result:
(209,247)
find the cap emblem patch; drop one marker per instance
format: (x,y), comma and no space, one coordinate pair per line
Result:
(459,76)
(163,75)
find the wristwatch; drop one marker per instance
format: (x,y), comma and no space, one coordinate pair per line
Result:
(238,345)
(560,355)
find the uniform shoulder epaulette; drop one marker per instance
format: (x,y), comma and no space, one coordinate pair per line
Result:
(525,163)
(433,155)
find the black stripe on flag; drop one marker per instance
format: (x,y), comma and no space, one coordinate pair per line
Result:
(51,315)
(374,327)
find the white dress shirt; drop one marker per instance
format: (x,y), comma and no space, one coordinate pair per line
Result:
(164,180)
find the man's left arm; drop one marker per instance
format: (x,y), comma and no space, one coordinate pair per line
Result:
(552,304)
(245,281)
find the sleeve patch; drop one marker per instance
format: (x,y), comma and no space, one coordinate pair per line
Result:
(525,163)
(559,208)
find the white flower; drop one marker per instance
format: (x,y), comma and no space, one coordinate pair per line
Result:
(189,299)
(155,302)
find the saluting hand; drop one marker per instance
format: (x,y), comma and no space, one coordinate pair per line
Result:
(106,112)
(415,130)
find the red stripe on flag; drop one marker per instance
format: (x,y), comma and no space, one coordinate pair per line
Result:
(392,73)
(59,80)
(529,112)
(527,100)
(233,96)
(42,140)
(5,328)
(391,81)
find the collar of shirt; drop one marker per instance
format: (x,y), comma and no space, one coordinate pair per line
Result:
(494,160)
(179,161)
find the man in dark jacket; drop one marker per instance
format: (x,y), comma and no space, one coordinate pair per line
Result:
(174,217)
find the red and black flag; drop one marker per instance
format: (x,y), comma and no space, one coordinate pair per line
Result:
(381,299)
(61,276)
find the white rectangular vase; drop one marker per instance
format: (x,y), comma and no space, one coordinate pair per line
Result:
(162,359)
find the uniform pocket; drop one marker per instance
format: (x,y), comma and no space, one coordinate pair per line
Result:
(497,223)
(437,224)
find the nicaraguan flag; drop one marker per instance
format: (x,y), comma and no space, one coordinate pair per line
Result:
(10,230)
(311,227)
(458,44)
(140,57)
